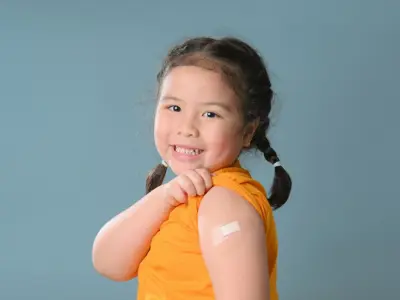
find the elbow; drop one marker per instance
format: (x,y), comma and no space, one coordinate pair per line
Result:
(114,276)
(106,266)
(112,272)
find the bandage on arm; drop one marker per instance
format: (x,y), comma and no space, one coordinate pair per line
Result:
(232,240)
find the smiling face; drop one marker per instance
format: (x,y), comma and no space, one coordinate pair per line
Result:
(198,122)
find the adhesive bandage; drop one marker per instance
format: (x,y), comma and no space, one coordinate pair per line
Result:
(221,233)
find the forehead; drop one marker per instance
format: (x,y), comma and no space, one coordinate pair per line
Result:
(192,83)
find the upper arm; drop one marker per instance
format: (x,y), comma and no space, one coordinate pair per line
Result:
(237,264)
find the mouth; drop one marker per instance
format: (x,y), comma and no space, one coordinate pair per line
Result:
(187,151)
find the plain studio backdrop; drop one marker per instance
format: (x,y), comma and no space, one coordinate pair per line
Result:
(77,83)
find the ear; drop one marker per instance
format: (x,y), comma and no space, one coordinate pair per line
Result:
(249,131)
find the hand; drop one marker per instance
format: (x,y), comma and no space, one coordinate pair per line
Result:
(191,183)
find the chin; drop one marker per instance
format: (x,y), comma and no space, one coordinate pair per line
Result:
(179,169)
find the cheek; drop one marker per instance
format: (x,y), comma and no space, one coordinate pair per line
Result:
(160,133)
(225,139)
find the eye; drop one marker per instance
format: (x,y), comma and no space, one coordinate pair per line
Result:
(210,115)
(175,108)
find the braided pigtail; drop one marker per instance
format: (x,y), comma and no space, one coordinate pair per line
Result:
(156,176)
(282,183)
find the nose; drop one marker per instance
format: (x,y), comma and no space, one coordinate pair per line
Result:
(188,128)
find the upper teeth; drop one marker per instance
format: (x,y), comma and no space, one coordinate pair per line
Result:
(188,151)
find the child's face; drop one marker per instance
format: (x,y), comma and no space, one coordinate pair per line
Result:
(198,123)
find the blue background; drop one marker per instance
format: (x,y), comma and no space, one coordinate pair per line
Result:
(77,83)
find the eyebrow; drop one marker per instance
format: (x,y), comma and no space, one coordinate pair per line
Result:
(210,103)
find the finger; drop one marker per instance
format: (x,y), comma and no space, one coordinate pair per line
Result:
(179,195)
(198,182)
(187,185)
(205,174)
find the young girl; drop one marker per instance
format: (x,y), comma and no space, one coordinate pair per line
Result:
(209,233)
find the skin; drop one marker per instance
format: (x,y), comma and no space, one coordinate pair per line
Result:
(238,266)
(197,109)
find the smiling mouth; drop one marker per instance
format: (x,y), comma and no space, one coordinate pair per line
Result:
(187,151)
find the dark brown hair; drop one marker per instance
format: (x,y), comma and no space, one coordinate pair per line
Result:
(245,71)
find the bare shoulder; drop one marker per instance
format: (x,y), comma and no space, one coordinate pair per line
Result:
(222,204)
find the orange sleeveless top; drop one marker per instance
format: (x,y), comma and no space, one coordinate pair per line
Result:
(174,268)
